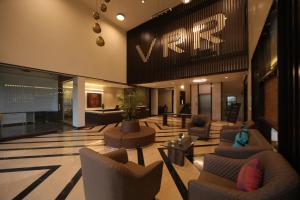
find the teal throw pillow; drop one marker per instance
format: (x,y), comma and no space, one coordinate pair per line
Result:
(241,138)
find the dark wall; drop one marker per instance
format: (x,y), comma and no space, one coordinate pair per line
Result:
(225,49)
(289,80)
(265,77)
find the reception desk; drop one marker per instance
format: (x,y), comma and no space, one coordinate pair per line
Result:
(108,116)
(103,117)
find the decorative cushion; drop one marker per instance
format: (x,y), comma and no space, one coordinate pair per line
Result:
(197,121)
(250,176)
(241,138)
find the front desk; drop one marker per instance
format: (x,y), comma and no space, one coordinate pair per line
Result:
(103,117)
(108,116)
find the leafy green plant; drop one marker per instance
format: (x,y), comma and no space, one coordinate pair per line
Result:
(129,103)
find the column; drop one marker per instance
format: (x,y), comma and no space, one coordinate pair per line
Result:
(79,102)
(154,101)
(194,99)
(216,101)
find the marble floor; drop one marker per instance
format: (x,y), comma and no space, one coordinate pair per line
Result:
(48,166)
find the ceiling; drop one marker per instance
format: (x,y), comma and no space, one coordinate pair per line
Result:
(237,77)
(135,11)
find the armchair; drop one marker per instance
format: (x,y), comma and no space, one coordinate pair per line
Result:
(218,179)
(112,177)
(201,132)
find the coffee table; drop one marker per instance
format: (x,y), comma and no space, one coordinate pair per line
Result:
(179,148)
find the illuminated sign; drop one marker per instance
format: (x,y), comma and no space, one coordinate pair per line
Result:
(203,34)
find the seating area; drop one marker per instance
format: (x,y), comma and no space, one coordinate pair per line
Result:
(219,177)
(256,144)
(149,100)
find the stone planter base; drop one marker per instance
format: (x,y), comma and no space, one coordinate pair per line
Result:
(130,126)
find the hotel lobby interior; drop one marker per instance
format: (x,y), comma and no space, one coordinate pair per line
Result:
(149,99)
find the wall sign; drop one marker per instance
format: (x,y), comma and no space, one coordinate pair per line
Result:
(203,37)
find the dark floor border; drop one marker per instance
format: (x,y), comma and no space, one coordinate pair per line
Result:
(140,156)
(69,187)
(102,128)
(50,170)
(180,185)
(51,147)
(39,156)
(49,141)
(29,135)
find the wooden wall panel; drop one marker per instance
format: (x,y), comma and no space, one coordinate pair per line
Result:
(271,100)
(190,53)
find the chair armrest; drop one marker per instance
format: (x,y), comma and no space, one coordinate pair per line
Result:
(228,135)
(239,152)
(222,166)
(150,176)
(154,169)
(189,125)
(119,155)
(198,189)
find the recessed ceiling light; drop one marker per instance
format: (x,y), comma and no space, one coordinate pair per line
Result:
(226,77)
(186,1)
(199,80)
(120,17)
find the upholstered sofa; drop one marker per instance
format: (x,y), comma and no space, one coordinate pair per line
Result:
(256,143)
(201,132)
(112,177)
(217,181)
(237,126)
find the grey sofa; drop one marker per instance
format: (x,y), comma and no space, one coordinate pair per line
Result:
(112,177)
(217,181)
(200,132)
(256,143)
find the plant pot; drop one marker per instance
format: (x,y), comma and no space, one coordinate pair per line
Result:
(130,126)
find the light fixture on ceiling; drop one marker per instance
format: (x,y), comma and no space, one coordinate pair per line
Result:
(182,87)
(199,80)
(143,1)
(100,6)
(186,1)
(226,77)
(120,17)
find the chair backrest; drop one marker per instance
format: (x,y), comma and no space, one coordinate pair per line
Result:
(206,118)
(103,177)
(280,180)
(257,139)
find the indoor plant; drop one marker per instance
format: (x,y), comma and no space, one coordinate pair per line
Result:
(129,103)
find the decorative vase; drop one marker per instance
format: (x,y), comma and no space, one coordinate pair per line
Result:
(103,7)
(96,15)
(130,126)
(100,41)
(97,28)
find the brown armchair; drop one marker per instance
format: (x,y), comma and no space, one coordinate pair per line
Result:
(218,179)
(112,177)
(200,132)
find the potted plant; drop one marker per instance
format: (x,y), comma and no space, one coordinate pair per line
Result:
(129,103)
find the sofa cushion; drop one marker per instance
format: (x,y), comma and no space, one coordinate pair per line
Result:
(250,176)
(197,121)
(216,180)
